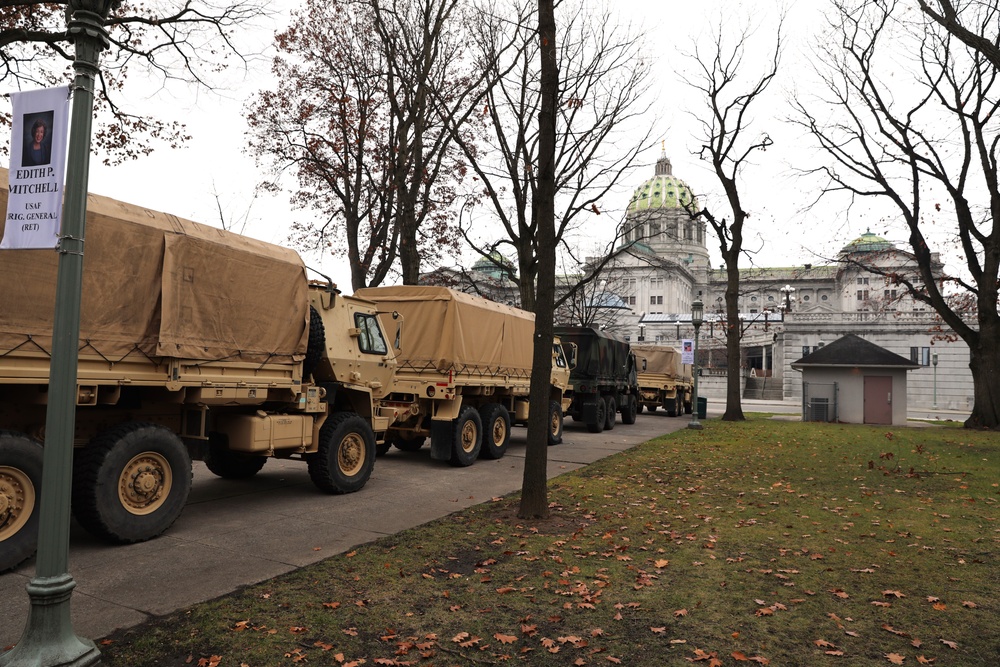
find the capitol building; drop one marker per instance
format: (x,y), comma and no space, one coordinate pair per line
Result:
(662,265)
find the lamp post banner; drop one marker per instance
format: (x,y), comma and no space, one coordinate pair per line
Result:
(687,351)
(39,135)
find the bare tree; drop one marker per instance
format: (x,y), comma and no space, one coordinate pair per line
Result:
(602,90)
(163,41)
(725,124)
(909,117)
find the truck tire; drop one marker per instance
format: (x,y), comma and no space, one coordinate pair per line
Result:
(382,448)
(496,431)
(610,413)
(466,437)
(408,444)
(316,344)
(598,425)
(638,407)
(555,423)
(131,482)
(687,407)
(672,406)
(227,464)
(651,408)
(20,491)
(346,454)
(630,409)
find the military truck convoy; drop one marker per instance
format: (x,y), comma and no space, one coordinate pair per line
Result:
(664,382)
(200,344)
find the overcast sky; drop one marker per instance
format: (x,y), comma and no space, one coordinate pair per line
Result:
(212,171)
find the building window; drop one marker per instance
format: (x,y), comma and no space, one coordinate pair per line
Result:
(753,298)
(770,297)
(862,295)
(805,350)
(862,281)
(631,301)
(920,355)
(890,294)
(824,298)
(805,298)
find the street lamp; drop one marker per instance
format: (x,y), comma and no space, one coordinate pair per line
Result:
(788,290)
(642,332)
(48,638)
(697,317)
(934,361)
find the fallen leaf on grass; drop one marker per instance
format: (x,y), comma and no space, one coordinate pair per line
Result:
(822,643)
(680,612)
(895,658)
(659,631)
(505,639)
(970,605)
(879,603)
(951,645)
(889,628)
(895,594)
(925,661)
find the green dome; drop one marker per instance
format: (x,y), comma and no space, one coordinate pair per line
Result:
(867,242)
(664,190)
(491,265)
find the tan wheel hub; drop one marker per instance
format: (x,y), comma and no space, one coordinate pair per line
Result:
(145,483)
(499,431)
(17,500)
(468,437)
(554,423)
(351,455)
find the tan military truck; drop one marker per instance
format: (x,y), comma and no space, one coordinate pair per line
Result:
(463,372)
(663,380)
(194,343)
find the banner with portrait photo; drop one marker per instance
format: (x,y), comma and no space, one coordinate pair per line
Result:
(687,351)
(39,136)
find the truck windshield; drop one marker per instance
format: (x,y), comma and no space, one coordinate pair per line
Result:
(370,339)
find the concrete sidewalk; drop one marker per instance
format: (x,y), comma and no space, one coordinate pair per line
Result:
(236,533)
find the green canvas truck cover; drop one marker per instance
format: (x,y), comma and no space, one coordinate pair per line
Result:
(161,286)
(447,330)
(602,356)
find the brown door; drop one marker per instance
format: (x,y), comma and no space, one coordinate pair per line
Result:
(878,399)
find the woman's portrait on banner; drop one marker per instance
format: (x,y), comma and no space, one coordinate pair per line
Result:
(38,139)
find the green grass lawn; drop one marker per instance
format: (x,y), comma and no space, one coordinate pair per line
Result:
(764,542)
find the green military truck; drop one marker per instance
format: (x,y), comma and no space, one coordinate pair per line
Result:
(664,382)
(463,372)
(195,343)
(603,378)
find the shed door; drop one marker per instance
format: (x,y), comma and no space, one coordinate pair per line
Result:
(878,399)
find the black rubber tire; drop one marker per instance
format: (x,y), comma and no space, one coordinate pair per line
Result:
(227,464)
(630,410)
(610,413)
(346,455)
(408,444)
(20,486)
(466,437)
(638,408)
(670,405)
(496,431)
(382,448)
(651,408)
(680,405)
(316,344)
(131,482)
(598,425)
(687,407)
(555,423)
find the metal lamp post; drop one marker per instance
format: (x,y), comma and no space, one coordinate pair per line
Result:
(934,362)
(48,638)
(697,317)
(788,290)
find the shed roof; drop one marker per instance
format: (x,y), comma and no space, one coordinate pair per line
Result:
(852,350)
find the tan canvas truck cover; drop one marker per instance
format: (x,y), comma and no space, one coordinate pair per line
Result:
(161,286)
(659,359)
(450,331)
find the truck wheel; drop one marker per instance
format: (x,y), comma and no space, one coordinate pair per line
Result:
(651,408)
(687,407)
(228,464)
(496,430)
(20,486)
(555,423)
(610,413)
(346,454)
(382,448)
(630,409)
(316,344)
(638,408)
(598,425)
(467,437)
(672,407)
(131,482)
(408,444)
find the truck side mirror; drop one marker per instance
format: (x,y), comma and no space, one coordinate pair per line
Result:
(398,343)
(570,350)
(644,363)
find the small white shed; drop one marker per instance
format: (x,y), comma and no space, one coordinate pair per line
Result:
(854,381)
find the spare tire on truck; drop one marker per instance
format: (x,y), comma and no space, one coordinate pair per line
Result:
(20,491)
(316,344)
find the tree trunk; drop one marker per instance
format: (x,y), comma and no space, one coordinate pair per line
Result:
(409,254)
(984,362)
(534,487)
(734,334)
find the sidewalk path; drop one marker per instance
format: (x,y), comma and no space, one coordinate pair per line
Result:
(236,533)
